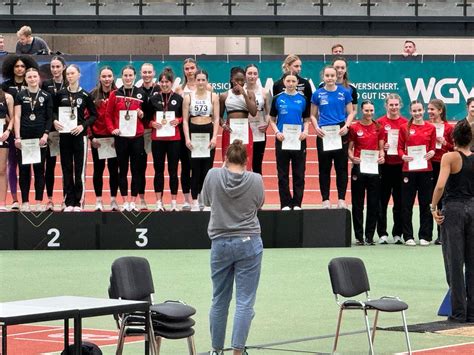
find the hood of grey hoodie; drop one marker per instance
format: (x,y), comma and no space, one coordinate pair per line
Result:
(235,184)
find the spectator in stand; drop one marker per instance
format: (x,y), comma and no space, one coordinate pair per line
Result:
(409,49)
(2,44)
(28,44)
(337,49)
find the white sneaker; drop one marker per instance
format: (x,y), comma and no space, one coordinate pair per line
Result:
(99,206)
(3,209)
(410,243)
(207,208)
(15,206)
(38,208)
(159,206)
(341,204)
(133,207)
(195,207)
(186,206)
(296,208)
(326,204)
(143,205)
(125,207)
(424,242)
(114,205)
(286,208)
(69,209)
(397,240)
(174,207)
(77,209)
(383,239)
(50,206)
(25,207)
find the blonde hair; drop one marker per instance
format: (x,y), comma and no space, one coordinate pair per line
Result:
(24,31)
(290,59)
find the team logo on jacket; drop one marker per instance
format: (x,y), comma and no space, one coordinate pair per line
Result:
(360,133)
(173,102)
(388,127)
(139,96)
(41,99)
(79,102)
(412,131)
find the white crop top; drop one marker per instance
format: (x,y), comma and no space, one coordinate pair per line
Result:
(235,102)
(200,107)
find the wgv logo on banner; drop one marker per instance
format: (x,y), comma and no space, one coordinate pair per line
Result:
(450,90)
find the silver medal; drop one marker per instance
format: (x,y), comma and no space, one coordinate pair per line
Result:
(32,117)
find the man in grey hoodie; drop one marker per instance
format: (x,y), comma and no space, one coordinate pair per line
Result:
(234,195)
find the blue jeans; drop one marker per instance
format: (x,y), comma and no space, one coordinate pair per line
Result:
(238,258)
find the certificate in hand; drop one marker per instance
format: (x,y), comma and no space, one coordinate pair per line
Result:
(439,134)
(368,161)
(68,118)
(53,142)
(128,123)
(30,151)
(292,134)
(2,124)
(254,123)
(166,130)
(147,140)
(240,129)
(107,148)
(392,140)
(200,142)
(417,152)
(331,140)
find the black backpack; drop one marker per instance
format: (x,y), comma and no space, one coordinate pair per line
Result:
(86,349)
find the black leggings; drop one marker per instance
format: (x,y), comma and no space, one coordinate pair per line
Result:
(25,177)
(200,166)
(98,176)
(340,165)
(73,150)
(49,172)
(413,182)
(161,150)
(185,160)
(129,152)
(258,153)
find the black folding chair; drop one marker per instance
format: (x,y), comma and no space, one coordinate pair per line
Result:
(131,279)
(348,279)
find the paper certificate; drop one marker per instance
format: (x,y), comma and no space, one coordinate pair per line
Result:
(53,143)
(240,129)
(68,118)
(417,152)
(331,140)
(392,140)
(200,142)
(292,133)
(30,151)
(254,123)
(368,161)
(107,148)
(128,123)
(2,124)
(147,140)
(166,130)
(439,134)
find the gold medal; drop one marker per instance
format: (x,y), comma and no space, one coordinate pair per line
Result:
(164,122)
(127,116)
(72,116)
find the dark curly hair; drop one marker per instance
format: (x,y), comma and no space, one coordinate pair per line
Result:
(10,61)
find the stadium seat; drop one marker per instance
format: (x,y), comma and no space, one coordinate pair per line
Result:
(131,279)
(349,279)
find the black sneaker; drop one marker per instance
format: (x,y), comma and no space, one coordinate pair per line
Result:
(437,242)
(359,242)
(369,242)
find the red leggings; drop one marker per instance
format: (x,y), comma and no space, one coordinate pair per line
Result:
(226,143)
